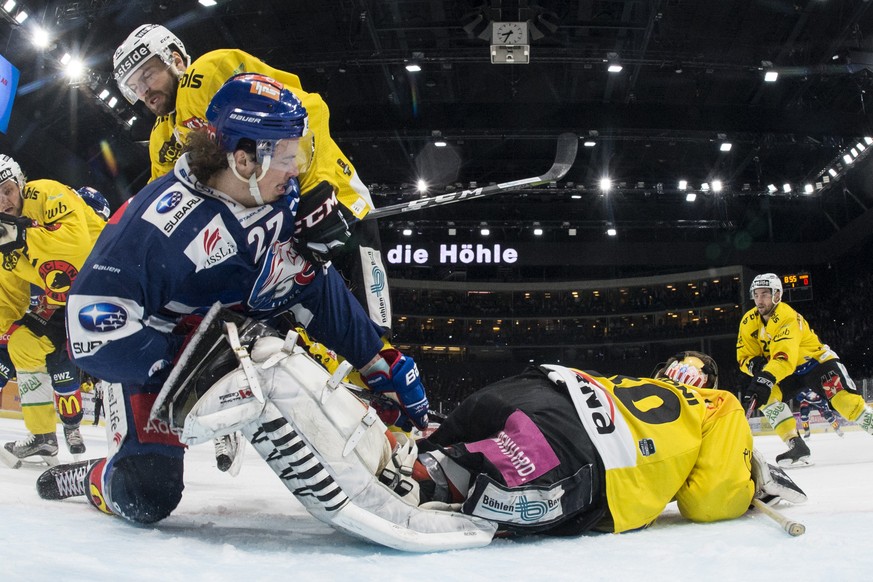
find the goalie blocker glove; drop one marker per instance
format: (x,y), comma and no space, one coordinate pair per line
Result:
(321,227)
(396,376)
(13,232)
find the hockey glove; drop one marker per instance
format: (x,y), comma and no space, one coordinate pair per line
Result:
(7,368)
(756,364)
(321,228)
(396,376)
(759,389)
(47,321)
(13,232)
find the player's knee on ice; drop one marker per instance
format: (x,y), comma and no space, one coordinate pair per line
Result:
(145,488)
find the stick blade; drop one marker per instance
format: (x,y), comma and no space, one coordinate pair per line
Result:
(568,145)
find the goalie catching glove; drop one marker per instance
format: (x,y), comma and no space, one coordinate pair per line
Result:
(396,376)
(13,232)
(321,227)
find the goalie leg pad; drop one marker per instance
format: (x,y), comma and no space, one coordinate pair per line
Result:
(304,433)
(224,409)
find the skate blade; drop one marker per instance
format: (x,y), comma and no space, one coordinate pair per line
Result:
(788,464)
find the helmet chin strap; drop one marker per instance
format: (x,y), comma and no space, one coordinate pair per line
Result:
(252,181)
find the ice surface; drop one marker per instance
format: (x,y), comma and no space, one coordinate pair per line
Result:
(250,528)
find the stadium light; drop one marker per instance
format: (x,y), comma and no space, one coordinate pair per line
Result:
(786,187)
(611,231)
(407,232)
(868,140)
(421,186)
(538,232)
(208,3)
(9,5)
(131,120)
(808,188)
(726,146)
(40,37)
(104,94)
(832,172)
(717,185)
(605,184)
(771,76)
(848,159)
(683,184)
(691,197)
(589,143)
(771,188)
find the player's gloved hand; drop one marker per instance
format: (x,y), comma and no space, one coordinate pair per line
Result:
(7,369)
(13,232)
(47,321)
(756,364)
(396,376)
(759,389)
(321,228)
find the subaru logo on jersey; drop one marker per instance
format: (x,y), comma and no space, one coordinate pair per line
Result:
(102,317)
(170,209)
(212,246)
(168,201)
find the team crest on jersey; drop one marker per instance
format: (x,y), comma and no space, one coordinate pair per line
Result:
(212,246)
(283,274)
(170,209)
(58,277)
(102,317)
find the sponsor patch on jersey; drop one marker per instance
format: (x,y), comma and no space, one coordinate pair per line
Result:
(523,507)
(102,317)
(170,209)
(212,246)
(520,451)
(195,123)
(96,320)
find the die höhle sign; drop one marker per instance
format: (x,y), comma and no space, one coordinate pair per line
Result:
(452,254)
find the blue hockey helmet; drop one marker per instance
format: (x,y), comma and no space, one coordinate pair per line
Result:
(258,108)
(95,200)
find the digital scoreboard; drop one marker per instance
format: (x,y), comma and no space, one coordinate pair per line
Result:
(797,287)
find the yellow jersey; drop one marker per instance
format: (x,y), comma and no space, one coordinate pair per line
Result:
(786,340)
(201,81)
(662,441)
(57,245)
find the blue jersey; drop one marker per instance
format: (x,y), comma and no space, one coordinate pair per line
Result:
(177,248)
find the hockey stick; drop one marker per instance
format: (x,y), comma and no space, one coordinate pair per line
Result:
(568,143)
(792,528)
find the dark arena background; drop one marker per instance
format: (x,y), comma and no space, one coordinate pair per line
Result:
(717,140)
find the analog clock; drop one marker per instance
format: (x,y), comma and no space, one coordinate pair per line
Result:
(509,33)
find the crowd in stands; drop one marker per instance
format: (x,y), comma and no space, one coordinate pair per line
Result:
(617,330)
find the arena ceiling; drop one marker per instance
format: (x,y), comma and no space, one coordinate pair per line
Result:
(692,79)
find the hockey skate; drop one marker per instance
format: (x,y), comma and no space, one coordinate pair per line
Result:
(797,455)
(75,444)
(64,481)
(229,453)
(35,449)
(806,431)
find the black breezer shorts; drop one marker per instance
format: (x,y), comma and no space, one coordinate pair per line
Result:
(826,379)
(579,470)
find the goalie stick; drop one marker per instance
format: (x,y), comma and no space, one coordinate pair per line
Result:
(568,143)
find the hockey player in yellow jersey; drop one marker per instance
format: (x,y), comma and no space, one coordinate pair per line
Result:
(46,233)
(152,65)
(562,451)
(784,356)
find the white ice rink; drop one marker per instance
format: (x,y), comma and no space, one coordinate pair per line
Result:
(249,528)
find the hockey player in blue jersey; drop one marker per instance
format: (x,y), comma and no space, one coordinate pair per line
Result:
(809,399)
(219,229)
